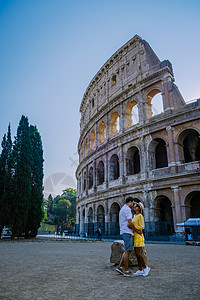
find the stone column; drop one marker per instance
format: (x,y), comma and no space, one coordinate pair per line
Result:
(81,228)
(81,184)
(171,150)
(86,189)
(141,108)
(95,175)
(146,206)
(107,127)
(95,218)
(106,218)
(121,163)
(77,218)
(106,169)
(86,220)
(121,118)
(96,135)
(143,158)
(167,93)
(177,206)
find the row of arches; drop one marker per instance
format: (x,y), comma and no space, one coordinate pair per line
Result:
(163,213)
(157,155)
(131,117)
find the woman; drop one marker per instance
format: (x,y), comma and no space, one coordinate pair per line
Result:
(138,222)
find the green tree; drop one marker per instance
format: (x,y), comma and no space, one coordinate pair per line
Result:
(49,204)
(4,170)
(61,209)
(21,178)
(70,194)
(35,214)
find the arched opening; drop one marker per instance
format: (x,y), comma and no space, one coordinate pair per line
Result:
(189,146)
(90,177)
(157,154)
(114,167)
(86,146)
(90,222)
(135,115)
(102,132)
(131,114)
(161,154)
(192,205)
(114,219)
(114,79)
(114,124)
(92,140)
(101,218)
(164,216)
(154,103)
(132,161)
(84,181)
(100,173)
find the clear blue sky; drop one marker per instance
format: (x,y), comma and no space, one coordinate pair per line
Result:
(50,50)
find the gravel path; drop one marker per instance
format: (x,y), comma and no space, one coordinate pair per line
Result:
(44,269)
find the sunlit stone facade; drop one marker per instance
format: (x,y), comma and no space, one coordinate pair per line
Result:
(138,137)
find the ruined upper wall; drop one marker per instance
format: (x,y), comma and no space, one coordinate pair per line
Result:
(131,63)
(134,64)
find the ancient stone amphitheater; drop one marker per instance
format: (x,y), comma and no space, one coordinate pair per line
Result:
(138,138)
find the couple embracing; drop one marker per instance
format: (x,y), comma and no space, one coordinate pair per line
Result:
(131,232)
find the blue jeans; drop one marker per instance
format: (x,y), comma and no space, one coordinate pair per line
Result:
(128,241)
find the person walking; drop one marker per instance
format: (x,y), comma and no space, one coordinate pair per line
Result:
(138,222)
(99,232)
(125,220)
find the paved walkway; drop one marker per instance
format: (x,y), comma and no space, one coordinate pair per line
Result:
(50,269)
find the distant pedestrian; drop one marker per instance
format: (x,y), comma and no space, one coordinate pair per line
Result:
(187,233)
(49,231)
(99,232)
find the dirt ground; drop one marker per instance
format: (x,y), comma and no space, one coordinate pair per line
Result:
(45,269)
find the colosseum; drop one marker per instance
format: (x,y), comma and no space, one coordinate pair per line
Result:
(139,138)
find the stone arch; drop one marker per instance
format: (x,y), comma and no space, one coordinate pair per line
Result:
(192,204)
(92,140)
(157,154)
(102,132)
(154,103)
(132,161)
(163,215)
(131,114)
(189,145)
(114,167)
(90,183)
(114,124)
(100,173)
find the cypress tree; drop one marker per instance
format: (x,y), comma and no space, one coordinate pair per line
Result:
(35,209)
(21,178)
(4,170)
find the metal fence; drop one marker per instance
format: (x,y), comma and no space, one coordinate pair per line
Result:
(154,231)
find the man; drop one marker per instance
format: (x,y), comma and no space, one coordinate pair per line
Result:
(125,220)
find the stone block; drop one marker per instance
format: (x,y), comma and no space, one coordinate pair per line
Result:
(117,249)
